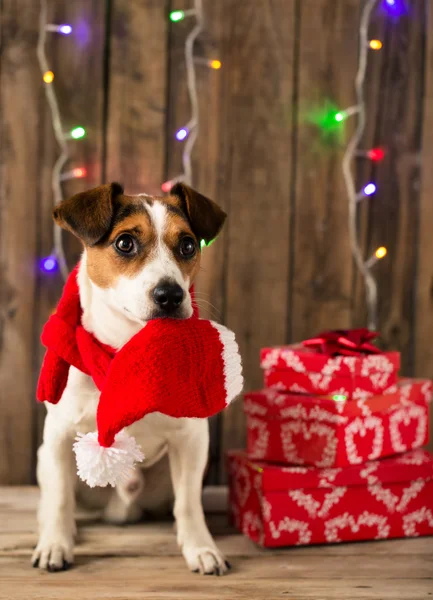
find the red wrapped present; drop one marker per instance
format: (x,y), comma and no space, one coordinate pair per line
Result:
(326,432)
(287,506)
(337,362)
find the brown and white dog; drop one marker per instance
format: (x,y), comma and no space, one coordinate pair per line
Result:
(141,255)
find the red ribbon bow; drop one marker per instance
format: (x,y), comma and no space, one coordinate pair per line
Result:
(346,342)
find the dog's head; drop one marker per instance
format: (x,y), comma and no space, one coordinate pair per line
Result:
(143,252)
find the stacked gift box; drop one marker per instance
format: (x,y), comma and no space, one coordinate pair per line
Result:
(333,447)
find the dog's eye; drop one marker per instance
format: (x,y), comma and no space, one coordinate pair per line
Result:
(187,247)
(125,243)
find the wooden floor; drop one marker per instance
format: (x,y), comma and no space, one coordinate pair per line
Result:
(142,561)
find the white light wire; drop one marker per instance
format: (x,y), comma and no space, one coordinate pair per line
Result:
(56,185)
(193,124)
(350,153)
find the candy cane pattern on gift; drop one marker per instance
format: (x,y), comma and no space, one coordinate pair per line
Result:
(242,484)
(259,447)
(319,381)
(361,426)
(315,413)
(393,502)
(297,389)
(307,430)
(360,394)
(252,408)
(332,366)
(251,524)
(411,520)
(366,519)
(278,386)
(293,361)
(315,508)
(271,359)
(426,391)
(379,380)
(327,477)
(291,526)
(406,415)
(368,473)
(405,394)
(376,362)
(415,459)
(274,397)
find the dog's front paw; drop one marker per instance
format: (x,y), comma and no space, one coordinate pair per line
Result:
(205,560)
(53,553)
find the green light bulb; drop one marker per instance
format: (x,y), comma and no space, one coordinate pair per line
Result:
(339,117)
(177,15)
(78,132)
(339,398)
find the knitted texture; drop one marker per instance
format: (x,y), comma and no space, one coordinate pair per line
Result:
(182,368)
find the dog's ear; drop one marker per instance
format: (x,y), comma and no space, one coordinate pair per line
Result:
(206,217)
(89,215)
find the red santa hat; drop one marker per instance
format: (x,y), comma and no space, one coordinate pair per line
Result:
(181,368)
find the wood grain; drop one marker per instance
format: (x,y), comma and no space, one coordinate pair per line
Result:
(320,250)
(424,282)
(137,95)
(259,93)
(78,63)
(390,218)
(143,561)
(19,171)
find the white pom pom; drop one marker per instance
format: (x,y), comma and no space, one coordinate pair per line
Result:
(100,466)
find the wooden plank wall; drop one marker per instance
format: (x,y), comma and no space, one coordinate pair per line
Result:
(282,269)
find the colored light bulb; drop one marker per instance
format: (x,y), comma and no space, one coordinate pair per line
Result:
(48,77)
(65,29)
(182,133)
(376,154)
(395,7)
(369,189)
(166,186)
(177,15)
(339,398)
(339,117)
(78,132)
(375,44)
(215,64)
(381,252)
(48,264)
(79,172)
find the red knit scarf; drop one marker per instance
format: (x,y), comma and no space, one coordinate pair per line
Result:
(181,368)
(69,344)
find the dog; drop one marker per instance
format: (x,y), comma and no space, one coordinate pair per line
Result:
(141,255)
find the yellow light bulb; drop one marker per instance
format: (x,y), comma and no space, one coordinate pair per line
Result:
(48,77)
(375,44)
(381,252)
(215,64)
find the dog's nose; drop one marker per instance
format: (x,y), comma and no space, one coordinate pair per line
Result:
(168,296)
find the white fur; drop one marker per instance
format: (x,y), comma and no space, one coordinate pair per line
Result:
(114,316)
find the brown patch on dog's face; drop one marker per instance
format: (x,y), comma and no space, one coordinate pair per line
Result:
(143,252)
(107,262)
(179,237)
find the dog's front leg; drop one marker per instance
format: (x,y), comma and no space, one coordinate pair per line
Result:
(56,478)
(188,453)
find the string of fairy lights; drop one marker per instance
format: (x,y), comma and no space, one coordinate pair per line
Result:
(56,260)
(395,8)
(188,133)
